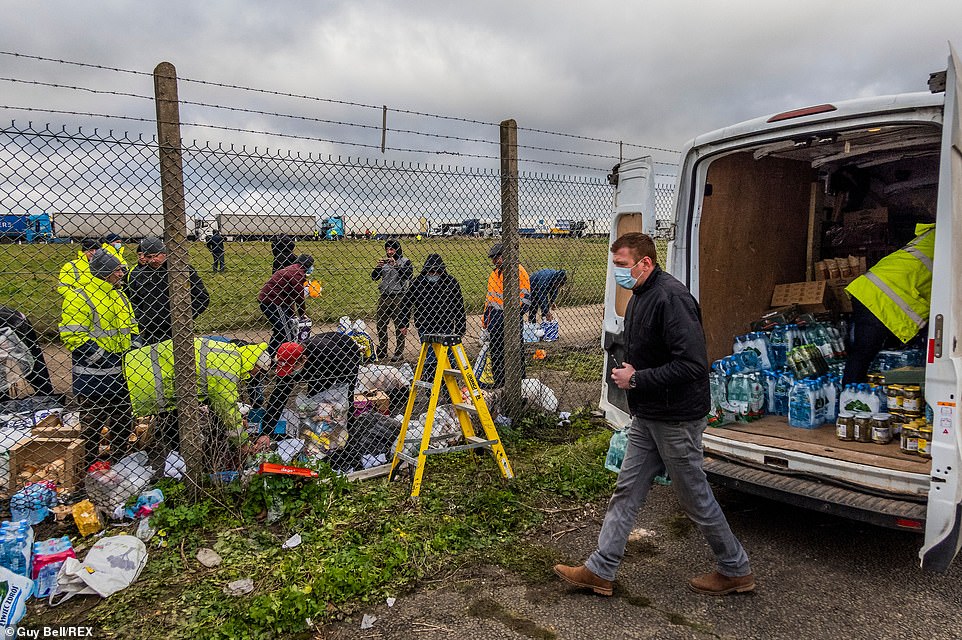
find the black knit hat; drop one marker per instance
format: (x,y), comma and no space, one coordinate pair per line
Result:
(90,244)
(392,244)
(305,261)
(433,264)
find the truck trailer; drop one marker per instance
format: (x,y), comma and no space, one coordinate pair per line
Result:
(764,204)
(246,226)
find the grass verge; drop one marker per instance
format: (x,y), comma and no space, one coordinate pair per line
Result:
(361,542)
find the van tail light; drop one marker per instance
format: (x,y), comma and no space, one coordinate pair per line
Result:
(798,113)
(908,523)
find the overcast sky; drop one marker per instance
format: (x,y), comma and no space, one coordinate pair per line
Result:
(654,73)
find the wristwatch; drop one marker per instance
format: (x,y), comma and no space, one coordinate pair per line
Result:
(633,380)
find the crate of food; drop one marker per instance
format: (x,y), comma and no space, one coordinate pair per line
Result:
(59,460)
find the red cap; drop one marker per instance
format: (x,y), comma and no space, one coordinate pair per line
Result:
(287,357)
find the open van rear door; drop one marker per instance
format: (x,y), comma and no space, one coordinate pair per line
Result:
(634,211)
(943,391)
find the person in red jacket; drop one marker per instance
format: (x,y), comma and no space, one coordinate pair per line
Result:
(282,300)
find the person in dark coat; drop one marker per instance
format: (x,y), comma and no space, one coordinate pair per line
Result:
(393,273)
(437,306)
(665,375)
(38,376)
(545,285)
(149,293)
(215,244)
(282,249)
(324,361)
(282,299)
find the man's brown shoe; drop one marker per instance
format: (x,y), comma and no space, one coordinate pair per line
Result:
(716,584)
(583,577)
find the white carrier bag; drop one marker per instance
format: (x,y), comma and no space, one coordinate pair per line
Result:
(111,565)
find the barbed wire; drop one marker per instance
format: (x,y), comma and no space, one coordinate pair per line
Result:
(340,102)
(301,137)
(302,118)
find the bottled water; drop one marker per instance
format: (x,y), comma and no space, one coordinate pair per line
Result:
(779,343)
(755,343)
(802,410)
(748,360)
(616,450)
(783,389)
(48,557)
(16,543)
(717,385)
(770,379)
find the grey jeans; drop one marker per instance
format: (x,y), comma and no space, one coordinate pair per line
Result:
(678,446)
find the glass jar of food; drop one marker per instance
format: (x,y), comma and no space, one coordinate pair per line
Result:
(912,399)
(845,426)
(881,428)
(925,442)
(896,424)
(894,394)
(863,427)
(909,442)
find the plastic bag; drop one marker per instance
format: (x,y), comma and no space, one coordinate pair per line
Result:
(529,332)
(616,450)
(174,466)
(536,392)
(483,371)
(375,377)
(112,564)
(33,502)
(14,590)
(445,424)
(14,354)
(111,487)
(550,329)
(357,331)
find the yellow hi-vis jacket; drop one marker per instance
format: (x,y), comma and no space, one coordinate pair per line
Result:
(221,367)
(898,289)
(495,297)
(117,253)
(99,312)
(74,274)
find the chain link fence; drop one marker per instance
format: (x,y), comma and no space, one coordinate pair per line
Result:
(311,282)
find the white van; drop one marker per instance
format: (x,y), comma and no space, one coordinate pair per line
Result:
(749,209)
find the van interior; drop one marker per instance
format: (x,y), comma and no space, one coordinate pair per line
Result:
(770,213)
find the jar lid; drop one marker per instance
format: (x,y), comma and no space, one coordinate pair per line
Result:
(881,416)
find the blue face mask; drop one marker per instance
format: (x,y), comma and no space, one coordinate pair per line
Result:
(310,271)
(623,276)
(432,278)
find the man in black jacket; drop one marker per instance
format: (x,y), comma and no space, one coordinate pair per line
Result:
(666,375)
(323,361)
(148,292)
(215,244)
(436,302)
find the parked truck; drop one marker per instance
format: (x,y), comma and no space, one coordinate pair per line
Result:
(64,226)
(248,226)
(34,227)
(756,203)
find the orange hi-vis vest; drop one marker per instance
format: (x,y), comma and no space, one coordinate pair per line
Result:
(495,297)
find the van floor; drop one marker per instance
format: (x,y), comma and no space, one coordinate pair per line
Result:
(775,432)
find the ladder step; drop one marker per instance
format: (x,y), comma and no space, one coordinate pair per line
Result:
(406,458)
(431,439)
(476,443)
(423,384)
(452,372)
(464,406)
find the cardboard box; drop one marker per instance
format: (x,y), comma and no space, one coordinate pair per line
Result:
(52,426)
(841,300)
(866,216)
(379,401)
(60,460)
(811,297)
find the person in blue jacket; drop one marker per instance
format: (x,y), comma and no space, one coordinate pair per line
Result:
(545,285)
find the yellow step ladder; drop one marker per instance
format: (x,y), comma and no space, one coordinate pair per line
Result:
(464,407)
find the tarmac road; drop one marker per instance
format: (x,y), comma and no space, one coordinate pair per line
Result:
(817,577)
